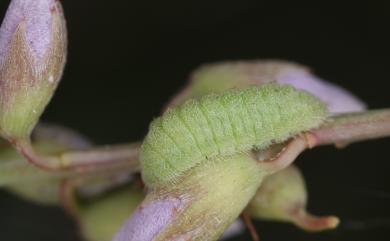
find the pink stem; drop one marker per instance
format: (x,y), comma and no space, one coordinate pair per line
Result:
(94,159)
(352,127)
(287,155)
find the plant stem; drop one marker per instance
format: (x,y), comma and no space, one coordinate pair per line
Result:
(352,127)
(95,159)
(248,222)
(341,129)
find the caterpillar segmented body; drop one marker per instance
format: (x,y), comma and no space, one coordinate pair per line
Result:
(224,124)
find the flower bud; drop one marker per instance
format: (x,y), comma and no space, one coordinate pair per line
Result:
(283,197)
(32,57)
(199,205)
(99,219)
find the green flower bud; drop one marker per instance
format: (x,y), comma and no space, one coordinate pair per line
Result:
(283,197)
(32,57)
(44,191)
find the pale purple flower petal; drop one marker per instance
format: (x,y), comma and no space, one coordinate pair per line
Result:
(148,220)
(37,15)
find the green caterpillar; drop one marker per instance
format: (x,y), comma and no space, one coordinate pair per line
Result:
(221,125)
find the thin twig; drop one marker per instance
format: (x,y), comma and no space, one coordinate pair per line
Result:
(248,222)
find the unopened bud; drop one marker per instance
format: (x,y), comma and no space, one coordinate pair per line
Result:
(283,197)
(32,57)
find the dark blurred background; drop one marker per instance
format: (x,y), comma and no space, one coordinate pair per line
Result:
(126,58)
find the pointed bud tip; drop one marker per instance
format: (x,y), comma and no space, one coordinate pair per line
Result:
(37,15)
(333,222)
(313,223)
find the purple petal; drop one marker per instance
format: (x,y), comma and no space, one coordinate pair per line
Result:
(148,220)
(37,15)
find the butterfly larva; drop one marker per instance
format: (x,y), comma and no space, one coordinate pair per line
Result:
(224,124)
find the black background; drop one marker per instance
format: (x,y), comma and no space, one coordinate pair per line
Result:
(126,58)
